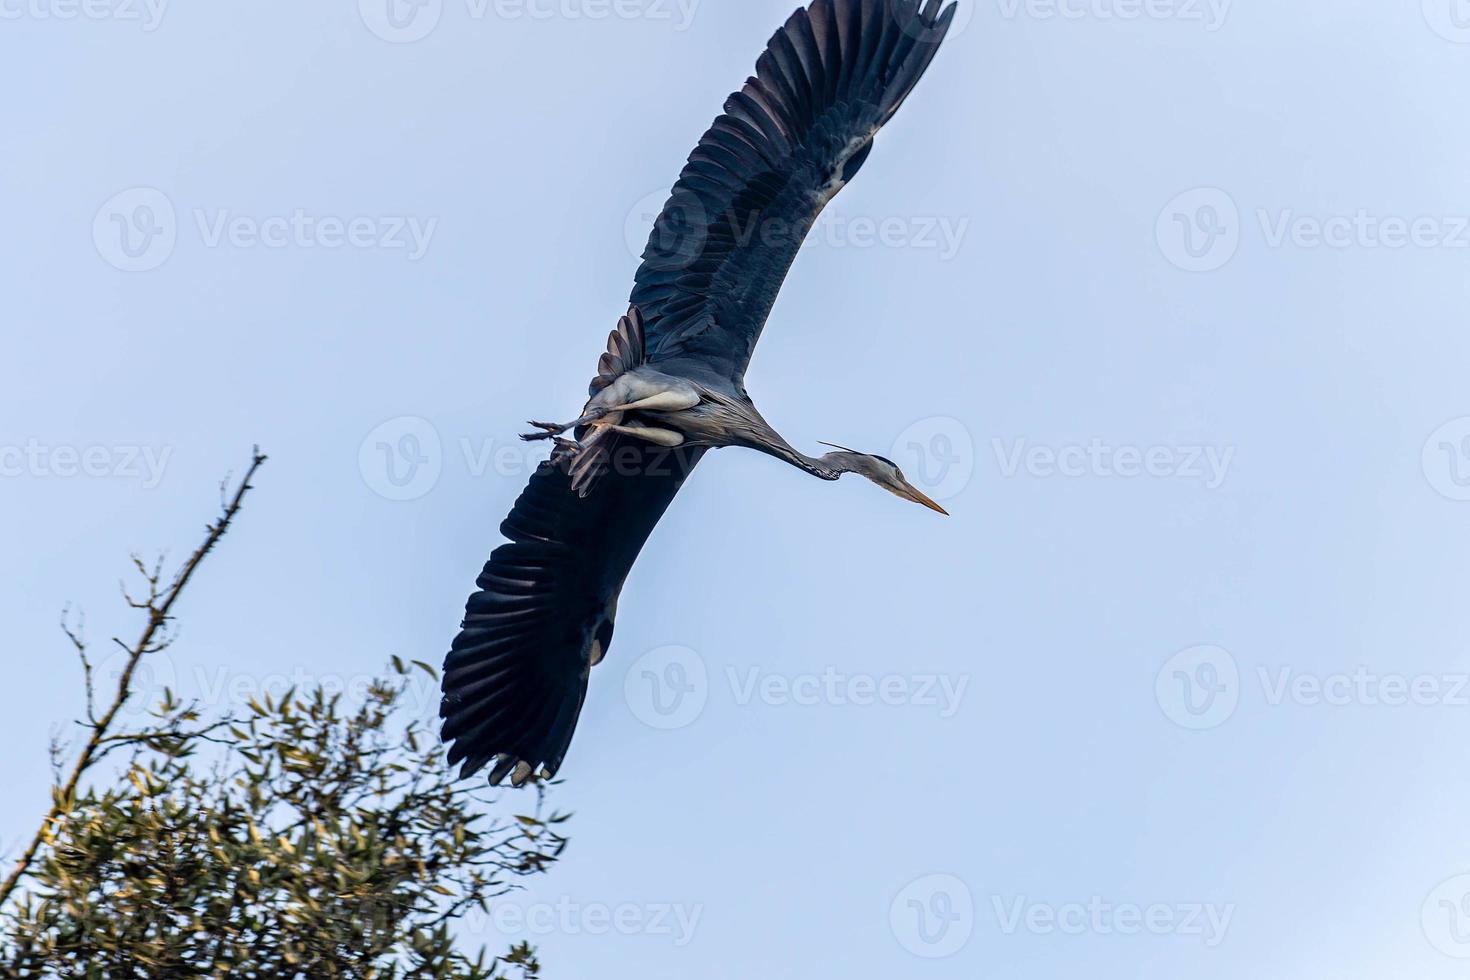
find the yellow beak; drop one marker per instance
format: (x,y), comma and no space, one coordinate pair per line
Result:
(919,498)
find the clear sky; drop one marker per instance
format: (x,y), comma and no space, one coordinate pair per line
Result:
(1165,299)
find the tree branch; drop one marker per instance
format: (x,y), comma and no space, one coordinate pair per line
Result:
(158,607)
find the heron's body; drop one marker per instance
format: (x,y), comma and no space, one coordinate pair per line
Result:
(672,383)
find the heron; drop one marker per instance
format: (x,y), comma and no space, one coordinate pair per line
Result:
(671,385)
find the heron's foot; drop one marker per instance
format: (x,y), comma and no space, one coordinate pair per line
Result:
(550,430)
(570,450)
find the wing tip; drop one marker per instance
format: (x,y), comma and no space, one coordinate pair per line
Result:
(835,72)
(480,733)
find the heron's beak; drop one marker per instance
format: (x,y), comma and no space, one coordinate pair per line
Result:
(910,493)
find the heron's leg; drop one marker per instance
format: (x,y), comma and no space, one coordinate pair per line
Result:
(669,400)
(659,437)
(551,429)
(673,400)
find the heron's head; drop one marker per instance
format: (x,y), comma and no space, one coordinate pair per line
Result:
(880,470)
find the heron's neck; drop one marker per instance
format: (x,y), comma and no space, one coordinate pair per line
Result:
(820,467)
(828,467)
(759,435)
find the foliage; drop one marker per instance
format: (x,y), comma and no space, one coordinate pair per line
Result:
(307,836)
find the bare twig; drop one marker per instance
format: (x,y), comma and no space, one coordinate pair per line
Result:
(158,607)
(77,635)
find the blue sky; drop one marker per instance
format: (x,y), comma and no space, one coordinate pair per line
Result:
(1165,300)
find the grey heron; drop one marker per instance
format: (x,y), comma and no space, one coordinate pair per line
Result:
(672,383)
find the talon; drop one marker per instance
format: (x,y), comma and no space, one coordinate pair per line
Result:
(549,430)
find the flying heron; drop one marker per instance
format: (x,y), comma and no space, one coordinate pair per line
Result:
(672,383)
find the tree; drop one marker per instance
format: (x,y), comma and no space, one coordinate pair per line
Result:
(305,836)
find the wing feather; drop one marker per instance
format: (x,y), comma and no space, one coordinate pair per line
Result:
(785,144)
(516,674)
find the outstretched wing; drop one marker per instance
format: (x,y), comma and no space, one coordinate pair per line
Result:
(516,675)
(785,145)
